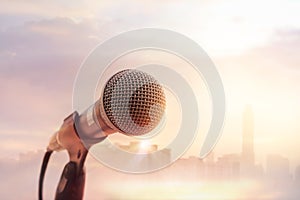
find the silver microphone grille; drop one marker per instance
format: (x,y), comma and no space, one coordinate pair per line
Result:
(134,102)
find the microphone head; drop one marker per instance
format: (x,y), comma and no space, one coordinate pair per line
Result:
(133,102)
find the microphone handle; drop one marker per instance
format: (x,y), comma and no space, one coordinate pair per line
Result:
(72,181)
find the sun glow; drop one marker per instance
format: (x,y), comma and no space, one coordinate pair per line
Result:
(145,145)
(187,191)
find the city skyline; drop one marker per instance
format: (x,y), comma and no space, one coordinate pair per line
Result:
(225,172)
(187,175)
(243,162)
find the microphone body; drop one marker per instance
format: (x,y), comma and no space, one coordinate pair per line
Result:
(88,128)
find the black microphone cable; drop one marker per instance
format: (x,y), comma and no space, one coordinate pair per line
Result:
(42,172)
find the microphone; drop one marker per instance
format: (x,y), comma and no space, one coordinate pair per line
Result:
(132,103)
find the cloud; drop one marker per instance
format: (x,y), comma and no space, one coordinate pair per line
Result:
(277,55)
(81,9)
(40,8)
(39,61)
(222,27)
(282,49)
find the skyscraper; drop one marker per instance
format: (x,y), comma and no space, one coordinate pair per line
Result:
(248,136)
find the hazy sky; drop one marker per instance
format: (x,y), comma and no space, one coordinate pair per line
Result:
(254,44)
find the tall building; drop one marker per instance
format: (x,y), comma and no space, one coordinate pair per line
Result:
(248,136)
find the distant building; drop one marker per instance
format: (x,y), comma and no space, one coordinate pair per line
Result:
(210,158)
(247,167)
(228,166)
(248,137)
(277,167)
(132,156)
(297,174)
(147,156)
(187,169)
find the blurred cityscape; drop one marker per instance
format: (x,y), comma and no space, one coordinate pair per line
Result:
(229,176)
(228,166)
(237,174)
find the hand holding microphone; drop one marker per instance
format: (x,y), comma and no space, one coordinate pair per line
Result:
(132,103)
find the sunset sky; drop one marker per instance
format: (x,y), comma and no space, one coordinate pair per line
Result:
(254,44)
